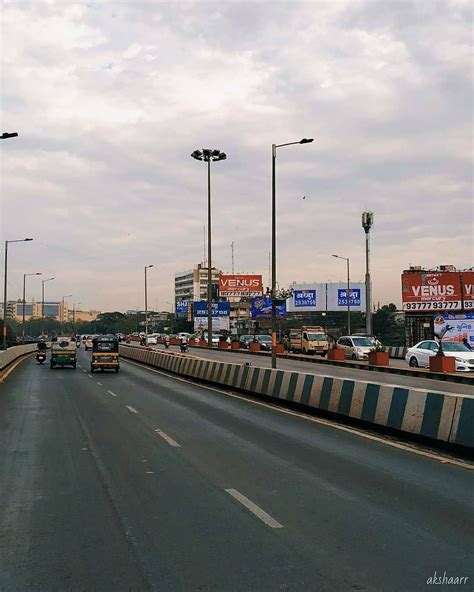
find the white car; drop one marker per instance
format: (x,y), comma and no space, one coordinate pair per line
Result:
(419,354)
(152,340)
(355,348)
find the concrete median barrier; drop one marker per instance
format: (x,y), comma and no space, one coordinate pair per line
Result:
(439,416)
(7,357)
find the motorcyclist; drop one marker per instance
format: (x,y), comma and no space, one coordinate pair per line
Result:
(183,344)
(42,347)
(167,341)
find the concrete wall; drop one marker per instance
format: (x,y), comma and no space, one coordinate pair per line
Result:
(441,416)
(12,353)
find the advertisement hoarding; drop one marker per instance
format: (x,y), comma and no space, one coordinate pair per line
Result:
(182,309)
(455,327)
(422,291)
(468,289)
(220,316)
(261,308)
(304,298)
(240,285)
(330,297)
(354,297)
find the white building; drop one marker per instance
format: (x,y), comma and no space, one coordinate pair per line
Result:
(192,284)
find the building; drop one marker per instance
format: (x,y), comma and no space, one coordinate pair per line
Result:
(11,304)
(82,316)
(191,285)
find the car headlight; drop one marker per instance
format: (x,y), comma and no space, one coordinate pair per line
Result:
(460,360)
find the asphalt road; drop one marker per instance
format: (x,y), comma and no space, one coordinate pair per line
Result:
(139,481)
(348,372)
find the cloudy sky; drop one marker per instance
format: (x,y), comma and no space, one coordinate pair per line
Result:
(110,98)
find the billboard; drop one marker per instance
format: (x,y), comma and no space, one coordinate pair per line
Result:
(240,285)
(436,290)
(182,309)
(468,289)
(455,327)
(303,298)
(354,297)
(330,297)
(220,316)
(261,308)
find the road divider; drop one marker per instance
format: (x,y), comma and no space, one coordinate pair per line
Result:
(11,355)
(445,417)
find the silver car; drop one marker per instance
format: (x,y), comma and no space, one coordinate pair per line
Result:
(355,348)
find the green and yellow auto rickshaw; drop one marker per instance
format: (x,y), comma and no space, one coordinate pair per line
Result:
(63,352)
(105,353)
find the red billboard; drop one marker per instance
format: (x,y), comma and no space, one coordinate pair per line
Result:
(467,278)
(240,285)
(436,290)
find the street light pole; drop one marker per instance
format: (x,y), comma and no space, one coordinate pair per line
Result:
(273,291)
(367,221)
(21,240)
(208,155)
(24,297)
(146,306)
(347,260)
(42,302)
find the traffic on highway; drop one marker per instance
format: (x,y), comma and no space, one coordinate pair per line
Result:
(237,318)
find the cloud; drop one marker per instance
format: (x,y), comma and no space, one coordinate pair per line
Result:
(110,99)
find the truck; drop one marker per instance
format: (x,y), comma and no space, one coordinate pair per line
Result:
(309,340)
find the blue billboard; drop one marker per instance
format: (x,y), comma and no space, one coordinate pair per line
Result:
(219,309)
(354,297)
(304,298)
(261,308)
(182,309)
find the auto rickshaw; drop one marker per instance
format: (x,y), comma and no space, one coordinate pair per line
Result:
(63,352)
(105,353)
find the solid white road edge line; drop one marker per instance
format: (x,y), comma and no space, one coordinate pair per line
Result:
(264,517)
(111,393)
(131,409)
(170,440)
(331,424)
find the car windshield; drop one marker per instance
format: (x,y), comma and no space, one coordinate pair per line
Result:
(316,337)
(455,347)
(362,342)
(264,338)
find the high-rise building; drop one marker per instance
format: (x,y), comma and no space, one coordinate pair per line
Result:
(192,284)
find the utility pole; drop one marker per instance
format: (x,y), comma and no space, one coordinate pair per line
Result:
(367,222)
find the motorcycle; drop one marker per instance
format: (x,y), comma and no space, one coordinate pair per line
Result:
(184,348)
(167,344)
(40,357)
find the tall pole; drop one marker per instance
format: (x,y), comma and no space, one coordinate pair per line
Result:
(209,257)
(42,302)
(4,339)
(273,292)
(146,305)
(367,221)
(22,240)
(146,310)
(348,299)
(24,302)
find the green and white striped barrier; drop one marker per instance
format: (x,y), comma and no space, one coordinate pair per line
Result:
(441,416)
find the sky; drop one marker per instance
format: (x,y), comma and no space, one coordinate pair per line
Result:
(110,98)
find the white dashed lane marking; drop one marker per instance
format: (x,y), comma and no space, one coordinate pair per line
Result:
(112,394)
(131,409)
(256,510)
(168,439)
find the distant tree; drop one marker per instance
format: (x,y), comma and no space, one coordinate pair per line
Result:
(387,328)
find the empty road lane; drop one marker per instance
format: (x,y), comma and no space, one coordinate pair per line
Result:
(139,481)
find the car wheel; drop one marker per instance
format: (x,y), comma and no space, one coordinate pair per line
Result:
(353,357)
(414,362)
